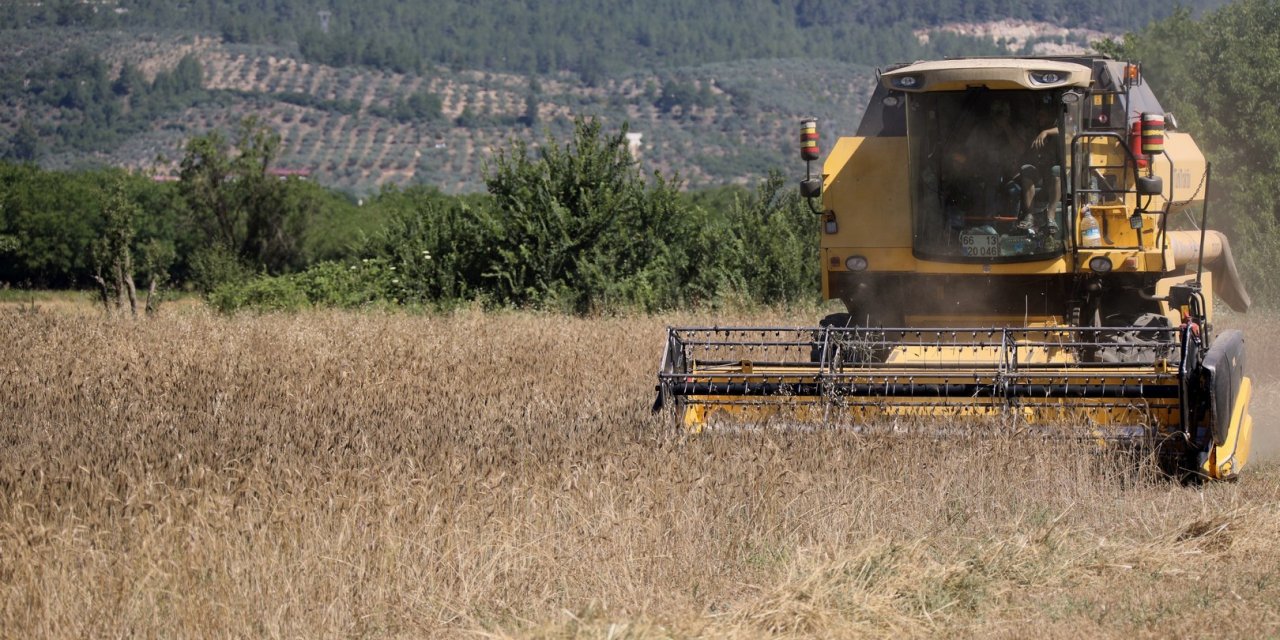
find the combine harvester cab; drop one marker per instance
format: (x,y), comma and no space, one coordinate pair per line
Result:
(1000,231)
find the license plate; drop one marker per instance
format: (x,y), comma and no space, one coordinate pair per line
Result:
(980,245)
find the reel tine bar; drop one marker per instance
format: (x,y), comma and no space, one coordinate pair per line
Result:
(1094,367)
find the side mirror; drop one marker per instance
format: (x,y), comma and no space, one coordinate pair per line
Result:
(810,188)
(1150,185)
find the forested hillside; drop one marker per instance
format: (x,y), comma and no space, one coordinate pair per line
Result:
(374,93)
(130,102)
(589,37)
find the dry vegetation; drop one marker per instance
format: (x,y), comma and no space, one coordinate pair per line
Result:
(499,474)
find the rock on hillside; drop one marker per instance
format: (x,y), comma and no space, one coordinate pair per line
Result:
(1024,37)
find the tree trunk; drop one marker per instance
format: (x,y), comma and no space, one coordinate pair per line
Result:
(133,293)
(152,303)
(119,286)
(104,292)
(126,261)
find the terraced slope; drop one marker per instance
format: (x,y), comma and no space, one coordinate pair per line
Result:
(348,126)
(731,123)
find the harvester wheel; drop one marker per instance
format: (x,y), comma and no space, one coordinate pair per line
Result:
(832,320)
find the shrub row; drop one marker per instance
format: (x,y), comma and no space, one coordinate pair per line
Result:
(573,227)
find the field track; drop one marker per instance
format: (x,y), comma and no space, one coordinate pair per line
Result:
(499,474)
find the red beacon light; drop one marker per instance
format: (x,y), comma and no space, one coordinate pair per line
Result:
(809,150)
(1152,134)
(811,186)
(1146,137)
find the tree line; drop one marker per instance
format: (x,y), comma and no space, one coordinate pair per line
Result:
(571,225)
(589,37)
(85,106)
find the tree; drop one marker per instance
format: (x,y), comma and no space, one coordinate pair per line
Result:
(205,173)
(1241,119)
(113,253)
(530,116)
(422,105)
(577,226)
(247,214)
(188,76)
(24,144)
(129,81)
(53,217)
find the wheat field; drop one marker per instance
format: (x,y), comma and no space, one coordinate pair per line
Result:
(500,475)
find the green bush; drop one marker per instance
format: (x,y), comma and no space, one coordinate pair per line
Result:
(215,266)
(368,282)
(438,244)
(572,227)
(267,293)
(577,226)
(766,247)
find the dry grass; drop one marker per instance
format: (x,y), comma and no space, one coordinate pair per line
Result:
(500,475)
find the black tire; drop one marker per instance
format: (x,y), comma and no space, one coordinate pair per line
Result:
(833,320)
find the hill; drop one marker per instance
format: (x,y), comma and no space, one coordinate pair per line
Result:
(587,37)
(355,127)
(378,93)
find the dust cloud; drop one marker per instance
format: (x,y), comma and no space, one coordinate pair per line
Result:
(1266,416)
(1261,334)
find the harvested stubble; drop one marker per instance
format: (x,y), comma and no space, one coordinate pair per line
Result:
(500,474)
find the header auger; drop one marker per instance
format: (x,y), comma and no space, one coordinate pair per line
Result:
(1000,231)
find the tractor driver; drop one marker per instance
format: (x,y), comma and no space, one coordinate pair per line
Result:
(998,164)
(1034,161)
(978,165)
(1012,164)
(1032,180)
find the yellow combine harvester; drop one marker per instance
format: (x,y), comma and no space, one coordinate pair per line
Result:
(1002,233)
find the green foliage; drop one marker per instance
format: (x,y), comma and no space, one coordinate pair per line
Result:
(439,244)
(249,213)
(24,144)
(214,266)
(422,105)
(61,229)
(81,109)
(530,116)
(113,248)
(682,93)
(53,220)
(593,39)
(338,229)
(345,107)
(129,81)
(155,257)
(1221,76)
(263,294)
(205,184)
(363,283)
(569,226)
(112,251)
(576,225)
(773,255)
(572,226)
